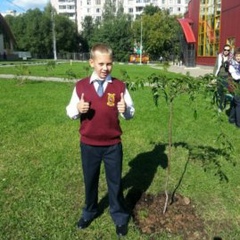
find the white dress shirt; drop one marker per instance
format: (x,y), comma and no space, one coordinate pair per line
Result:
(73,112)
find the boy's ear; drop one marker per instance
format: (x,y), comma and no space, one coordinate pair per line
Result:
(91,62)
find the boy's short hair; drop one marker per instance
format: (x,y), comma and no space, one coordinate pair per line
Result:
(102,48)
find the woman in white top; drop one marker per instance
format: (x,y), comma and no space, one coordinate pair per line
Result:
(221,72)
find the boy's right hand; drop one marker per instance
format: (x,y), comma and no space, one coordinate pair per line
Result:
(83,106)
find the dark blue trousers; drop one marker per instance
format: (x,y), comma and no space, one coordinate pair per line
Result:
(92,157)
(222,85)
(234,116)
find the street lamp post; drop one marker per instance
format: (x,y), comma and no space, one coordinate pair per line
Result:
(80,49)
(141,48)
(54,36)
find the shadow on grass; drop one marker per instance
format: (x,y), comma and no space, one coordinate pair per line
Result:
(210,159)
(140,176)
(144,167)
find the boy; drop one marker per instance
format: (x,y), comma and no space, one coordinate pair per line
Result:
(234,71)
(97,101)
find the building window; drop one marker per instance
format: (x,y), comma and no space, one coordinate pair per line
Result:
(98,2)
(98,18)
(98,10)
(179,1)
(71,15)
(163,1)
(130,10)
(70,7)
(139,9)
(88,2)
(142,1)
(209,28)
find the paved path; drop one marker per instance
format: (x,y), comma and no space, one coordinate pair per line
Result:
(193,71)
(37,78)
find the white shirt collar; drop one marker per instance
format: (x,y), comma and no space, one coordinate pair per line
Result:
(94,77)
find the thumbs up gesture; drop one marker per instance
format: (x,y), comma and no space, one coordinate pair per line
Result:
(83,106)
(121,105)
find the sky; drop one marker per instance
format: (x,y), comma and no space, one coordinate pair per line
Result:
(21,6)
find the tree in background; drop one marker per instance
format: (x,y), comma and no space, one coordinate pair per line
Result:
(29,30)
(87,33)
(115,30)
(151,10)
(160,33)
(33,32)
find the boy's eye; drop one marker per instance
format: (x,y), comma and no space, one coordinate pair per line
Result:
(108,64)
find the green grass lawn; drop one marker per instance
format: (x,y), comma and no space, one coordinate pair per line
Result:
(80,69)
(41,182)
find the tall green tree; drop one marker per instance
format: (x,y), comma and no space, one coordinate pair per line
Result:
(33,32)
(67,36)
(109,10)
(115,30)
(151,10)
(87,33)
(28,29)
(160,34)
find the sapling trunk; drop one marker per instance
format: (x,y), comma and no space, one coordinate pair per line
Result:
(169,153)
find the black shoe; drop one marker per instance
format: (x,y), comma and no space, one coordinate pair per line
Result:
(82,223)
(122,230)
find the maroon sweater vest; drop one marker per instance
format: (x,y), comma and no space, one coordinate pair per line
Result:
(100,125)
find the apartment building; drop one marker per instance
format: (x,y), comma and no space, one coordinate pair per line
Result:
(66,7)
(77,10)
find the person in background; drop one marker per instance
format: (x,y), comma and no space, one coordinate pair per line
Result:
(234,87)
(221,72)
(98,100)
(161,59)
(4,55)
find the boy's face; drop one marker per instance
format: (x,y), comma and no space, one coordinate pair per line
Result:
(237,57)
(102,64)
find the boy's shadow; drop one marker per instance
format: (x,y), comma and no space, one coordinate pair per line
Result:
(142,171)
(140,176)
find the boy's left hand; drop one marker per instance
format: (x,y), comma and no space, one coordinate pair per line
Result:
(121,105)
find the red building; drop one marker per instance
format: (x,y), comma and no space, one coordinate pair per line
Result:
(207,26)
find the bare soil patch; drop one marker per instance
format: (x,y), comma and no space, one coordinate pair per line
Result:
(180,219)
